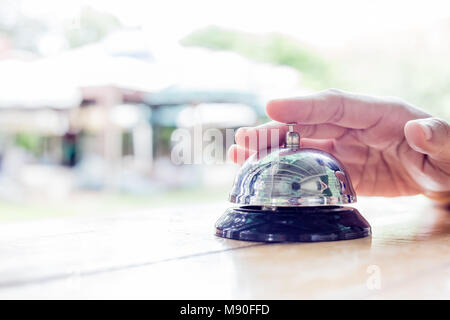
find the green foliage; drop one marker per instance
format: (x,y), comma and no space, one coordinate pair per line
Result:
(409,65)
(411,70)
(91,27)
(272,48)
(163,137)
(29,141)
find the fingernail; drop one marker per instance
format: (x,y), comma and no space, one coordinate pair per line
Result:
(426,130)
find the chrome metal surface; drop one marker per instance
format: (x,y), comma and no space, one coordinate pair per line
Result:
(292,138)
(287,177)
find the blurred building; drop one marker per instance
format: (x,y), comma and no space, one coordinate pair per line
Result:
(101,116)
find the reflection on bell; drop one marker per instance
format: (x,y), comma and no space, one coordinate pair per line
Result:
(294,195)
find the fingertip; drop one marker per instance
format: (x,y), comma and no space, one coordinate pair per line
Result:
(274,110)
(247,137)
(232,153)
(241,131)
(239,154)
(417,135)
(430,136)
(290,110)
(240,135)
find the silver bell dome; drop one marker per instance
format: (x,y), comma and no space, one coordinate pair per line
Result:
(292,176)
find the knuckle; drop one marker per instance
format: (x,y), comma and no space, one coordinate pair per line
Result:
(441,126)
(398,102)
(333,92)
(336,97)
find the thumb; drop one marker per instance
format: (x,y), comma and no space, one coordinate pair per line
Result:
(430,136)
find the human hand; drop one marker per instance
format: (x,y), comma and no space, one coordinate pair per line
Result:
(388,147)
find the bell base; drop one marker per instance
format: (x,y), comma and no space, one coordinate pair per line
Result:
(292,224)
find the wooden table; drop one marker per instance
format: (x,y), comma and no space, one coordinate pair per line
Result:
(172,253)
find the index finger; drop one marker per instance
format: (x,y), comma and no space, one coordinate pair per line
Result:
(331,106)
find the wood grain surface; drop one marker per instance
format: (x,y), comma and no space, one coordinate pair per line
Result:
(173,253)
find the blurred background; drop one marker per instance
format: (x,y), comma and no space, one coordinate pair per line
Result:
(92,91)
